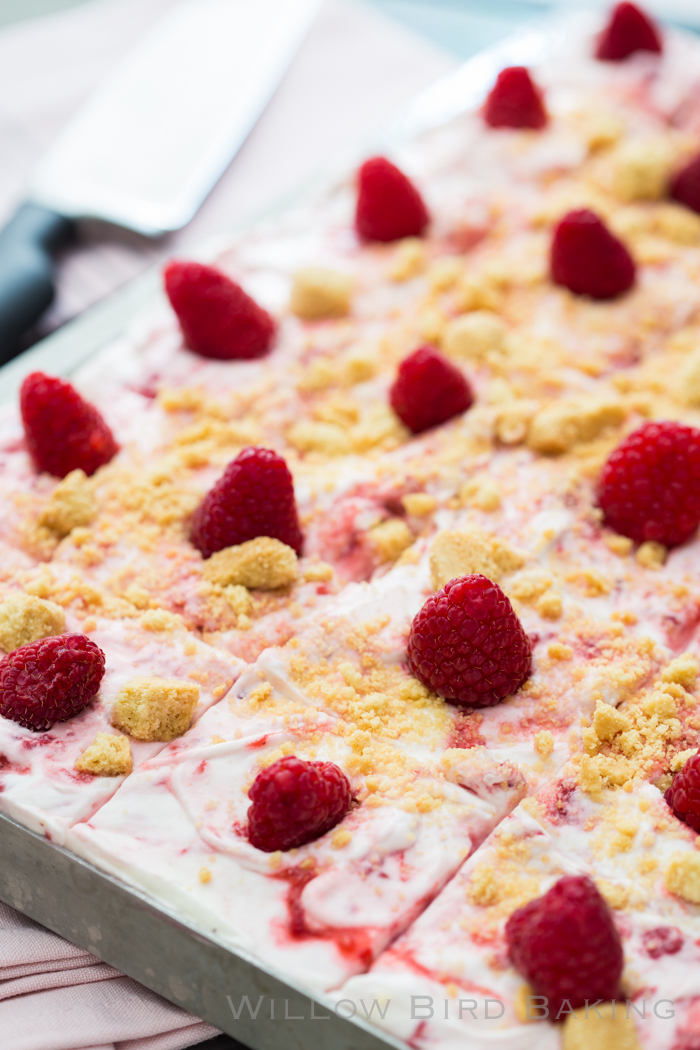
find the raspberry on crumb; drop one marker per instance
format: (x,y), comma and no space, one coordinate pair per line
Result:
(429,390)
(63,432)
(295,802)
(50,680)
(630,29)
(467,644)
(588,259)
(218,319)
(683,794)
(649,489)
(566,946)
(515,101)
(389,207)
(254,497)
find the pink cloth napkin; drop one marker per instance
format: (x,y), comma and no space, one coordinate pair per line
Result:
(54,996)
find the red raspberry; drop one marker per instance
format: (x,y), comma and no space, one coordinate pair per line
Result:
(468,645)
(685,186)
(566,946)
(515,101)
(650,486)
(628,30)
(428,390)
(295,802)
(683,795)
(62,431)
(389,206)
(218,319)
(50,680)
(253,497)
(588,259)
(662,940)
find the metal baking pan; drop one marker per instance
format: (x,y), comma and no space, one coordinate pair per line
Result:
(96,911)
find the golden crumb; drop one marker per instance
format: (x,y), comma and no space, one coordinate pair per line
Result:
(390,538)
(559,651)
(620,545)
(155,708)
(204,875)
(483,886)
(330,439)
(513,418)
(651,555)
(678,761)
(318,293)
(431,324)
(419,504)
(608,721)
(687,386)
(550,605)
(160,620)
(138,596)
(615,894)
(319,572)
(263,564)
(341,838)
(677,223)
(71,504)
(479,291)
(683,671)
(409,259)
(107,756)
(478,337)
(562,425)
(460,553)
(605,1027)
(601,129)
(444,273)
(482,493)
(529,584)
(682,877)
(25,619)
(640,170)
(544,742)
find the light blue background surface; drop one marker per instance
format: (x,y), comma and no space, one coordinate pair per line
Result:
(461,26)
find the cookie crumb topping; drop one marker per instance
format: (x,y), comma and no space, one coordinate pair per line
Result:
(155,708)
(107,756)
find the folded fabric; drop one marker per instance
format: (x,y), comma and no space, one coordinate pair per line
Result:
(55,996)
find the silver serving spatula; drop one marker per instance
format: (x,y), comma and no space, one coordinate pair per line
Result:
(149,146)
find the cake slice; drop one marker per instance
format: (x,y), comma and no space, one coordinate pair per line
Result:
(158,679)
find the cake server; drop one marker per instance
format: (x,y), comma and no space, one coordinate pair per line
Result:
(146,150)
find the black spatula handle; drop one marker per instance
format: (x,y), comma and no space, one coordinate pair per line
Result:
(26,270)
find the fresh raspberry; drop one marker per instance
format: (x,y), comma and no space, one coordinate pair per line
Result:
(685,186)
(62,431)
(628,30)
(650,486)
(50,680)
(428,390)
(218,319)
(683,794)
(566,946)
(468,645)
(295,802)
(253,497)
(515,101)
(389,206)
(662,940)
(588,259)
